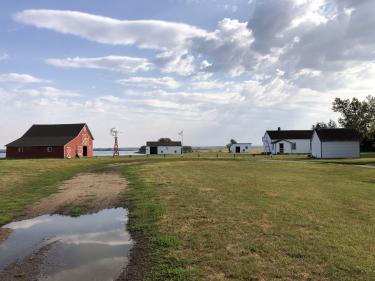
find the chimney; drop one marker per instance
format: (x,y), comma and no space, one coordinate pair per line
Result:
(278,128)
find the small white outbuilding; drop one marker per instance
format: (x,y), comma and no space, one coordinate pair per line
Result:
(163,147)
(240,147)
(335,143)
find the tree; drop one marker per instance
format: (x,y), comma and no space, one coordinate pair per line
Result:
(359,115)
(322,125)
(231,142)
(187,149)
(165,140)
(142,149)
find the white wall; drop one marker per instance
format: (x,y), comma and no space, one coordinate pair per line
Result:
(267,146)
(244,147)
(166,150)
(302,145)
(341,149)
(287,147)
(315,146)
(169,150)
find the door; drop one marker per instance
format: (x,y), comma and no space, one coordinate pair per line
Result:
(238,149)
(153,150)
(281,148)
(84,151)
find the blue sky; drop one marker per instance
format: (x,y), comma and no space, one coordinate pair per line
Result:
(215,69)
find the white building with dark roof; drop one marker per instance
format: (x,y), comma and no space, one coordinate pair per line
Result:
(335,143)
(287,141)
(163,147)
(240,147)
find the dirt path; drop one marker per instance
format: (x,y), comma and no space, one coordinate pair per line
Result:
(84,193)
(90,191)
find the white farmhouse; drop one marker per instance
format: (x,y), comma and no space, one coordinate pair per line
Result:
(335,143)
(287,141)
(165,147)
(240,147)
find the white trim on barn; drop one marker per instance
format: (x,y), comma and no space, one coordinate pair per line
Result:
(240,147)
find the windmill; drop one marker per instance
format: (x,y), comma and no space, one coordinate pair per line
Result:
(114,133)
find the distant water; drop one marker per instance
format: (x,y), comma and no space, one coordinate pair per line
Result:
(2,155)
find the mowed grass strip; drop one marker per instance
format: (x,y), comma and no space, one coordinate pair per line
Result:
(244,220)
(23,182)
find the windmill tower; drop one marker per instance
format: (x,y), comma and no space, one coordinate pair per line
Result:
(114,133)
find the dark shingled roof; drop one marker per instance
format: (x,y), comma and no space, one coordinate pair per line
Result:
(290,134)
(49,135)
(337,134)
(158,143)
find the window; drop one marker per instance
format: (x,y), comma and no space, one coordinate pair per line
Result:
(49,149)
(294,146)
(20,149)
(246,147)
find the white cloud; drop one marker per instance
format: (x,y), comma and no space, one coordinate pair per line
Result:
(4,56)
(150,82)
(21,78)
(227,48)
(283,67)
(112,63)
(47,92)
(153,34)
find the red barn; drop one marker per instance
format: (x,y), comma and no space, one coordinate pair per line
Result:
(53,141)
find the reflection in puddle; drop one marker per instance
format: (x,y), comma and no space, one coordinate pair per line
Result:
(90,247)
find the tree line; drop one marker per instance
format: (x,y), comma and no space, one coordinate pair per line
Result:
(355,114)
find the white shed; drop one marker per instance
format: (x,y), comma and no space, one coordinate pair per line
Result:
(240,147)
(335,143)
(287,141)
(165,147)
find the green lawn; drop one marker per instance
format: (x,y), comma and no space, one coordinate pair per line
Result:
(23,182)
(222,218)
(247,220)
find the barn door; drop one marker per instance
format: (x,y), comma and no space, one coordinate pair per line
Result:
(85,151)
(238,149)
(281,147)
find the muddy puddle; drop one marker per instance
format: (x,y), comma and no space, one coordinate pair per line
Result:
(89,247)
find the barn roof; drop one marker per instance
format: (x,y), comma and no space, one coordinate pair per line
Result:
(337,134)
(290,134)
(49,135)
(159,143)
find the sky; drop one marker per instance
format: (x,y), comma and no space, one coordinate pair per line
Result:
(215,69)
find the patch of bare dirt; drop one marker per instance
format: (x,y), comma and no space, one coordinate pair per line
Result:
(4,233)
(94,191)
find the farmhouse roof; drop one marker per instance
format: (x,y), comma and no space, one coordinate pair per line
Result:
(337,134)
(49,135)
(290,134)
(159,143)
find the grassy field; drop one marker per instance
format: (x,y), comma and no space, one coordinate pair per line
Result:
(245,220)
(217,217)
(23,182)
